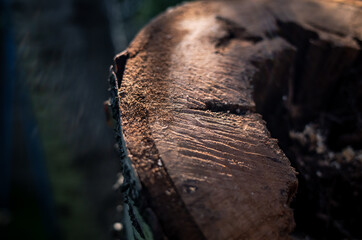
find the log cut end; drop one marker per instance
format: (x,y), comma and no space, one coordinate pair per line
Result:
(192,84)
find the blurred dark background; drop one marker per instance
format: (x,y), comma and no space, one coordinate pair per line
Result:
(58,165)
(59,170)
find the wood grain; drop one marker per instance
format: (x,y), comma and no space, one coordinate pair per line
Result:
(190,85)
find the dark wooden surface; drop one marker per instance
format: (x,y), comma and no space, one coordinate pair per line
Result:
(191,84)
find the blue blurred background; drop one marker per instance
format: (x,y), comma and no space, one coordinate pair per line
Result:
(58,165)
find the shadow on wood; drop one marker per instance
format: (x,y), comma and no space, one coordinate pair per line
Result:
(198,160)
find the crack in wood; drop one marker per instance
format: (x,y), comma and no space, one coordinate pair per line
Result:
(220,123)
(220,106)
(233,31)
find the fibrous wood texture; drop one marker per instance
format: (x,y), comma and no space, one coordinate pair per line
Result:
(187,91)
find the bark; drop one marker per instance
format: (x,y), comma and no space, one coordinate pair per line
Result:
(199,162)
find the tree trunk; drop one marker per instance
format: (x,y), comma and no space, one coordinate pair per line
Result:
(189,96)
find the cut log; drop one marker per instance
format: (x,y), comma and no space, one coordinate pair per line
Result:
(198,160)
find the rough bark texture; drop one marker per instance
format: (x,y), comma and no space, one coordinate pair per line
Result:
(189,89)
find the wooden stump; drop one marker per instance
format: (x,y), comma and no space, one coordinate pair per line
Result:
(197,158)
